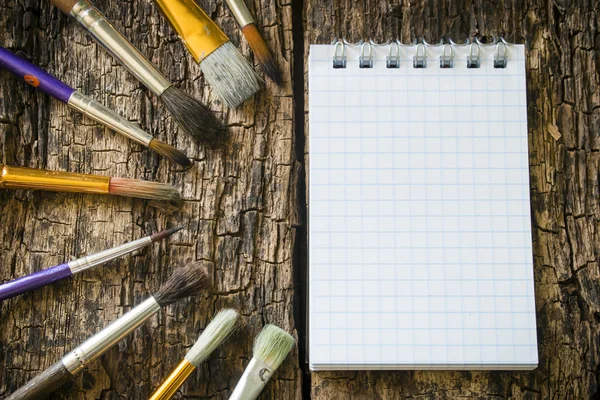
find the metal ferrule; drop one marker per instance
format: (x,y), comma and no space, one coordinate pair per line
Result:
(240,12)
(105,116)
(58,181)
(120,48)
(199,33)
(95,346)
(170,385)
(255,377)
(86,262)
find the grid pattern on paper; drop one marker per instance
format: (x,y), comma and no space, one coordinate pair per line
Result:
(419,228)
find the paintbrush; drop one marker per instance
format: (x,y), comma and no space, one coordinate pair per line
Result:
(184,282)
(271,347)
(214,334)
(225,69)
(255,40)
(58,181)
(48,84)
(50,275)
(191,115)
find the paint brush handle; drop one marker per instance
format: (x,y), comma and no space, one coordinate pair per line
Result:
(43,384)
(39,179)
(35,76)
(240,12)
(200,35)
(116,44)
(170,385)
(34,281)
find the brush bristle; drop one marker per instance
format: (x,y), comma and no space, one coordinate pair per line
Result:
(143,189)
(262,52)
(230,75)
(169,152)
(191,115)
(184,282)
(272,346)
(219,329)
(155,237)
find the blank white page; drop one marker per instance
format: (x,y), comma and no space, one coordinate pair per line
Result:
(419,217)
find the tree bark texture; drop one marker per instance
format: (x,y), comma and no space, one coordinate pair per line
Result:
(243,207)
(563,76)
(240,210)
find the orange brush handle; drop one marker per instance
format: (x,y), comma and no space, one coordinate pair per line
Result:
(58,181)
(168,388)
(199,33)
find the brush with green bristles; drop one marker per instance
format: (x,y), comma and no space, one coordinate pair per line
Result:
(219,329)
(271,347)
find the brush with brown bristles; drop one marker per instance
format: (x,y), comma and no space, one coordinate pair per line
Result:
(59,181)
(255,40)
(186,281)
(50,275)
(191,115)
(48,84)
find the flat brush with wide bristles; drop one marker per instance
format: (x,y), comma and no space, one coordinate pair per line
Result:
(58,181)
(48,84)
(53,274)
(191,115)
(184,282)
(255,40)
(214,334)
(227,72)
(271,347)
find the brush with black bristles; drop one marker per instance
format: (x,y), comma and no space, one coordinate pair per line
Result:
(191,115)
(50,275)
(186,281)
(219,329)
(271,347)
(48,84)
(255,40)
(59,181)
(227,72)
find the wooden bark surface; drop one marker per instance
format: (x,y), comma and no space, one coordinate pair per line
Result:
(563,75)
(240,210)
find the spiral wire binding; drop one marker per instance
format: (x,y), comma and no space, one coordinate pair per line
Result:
(447,53)
(473,59)
(420,60)
(393,61)
(365,61)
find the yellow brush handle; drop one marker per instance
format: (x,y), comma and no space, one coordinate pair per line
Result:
(199,33)
(40,179)
(168,388)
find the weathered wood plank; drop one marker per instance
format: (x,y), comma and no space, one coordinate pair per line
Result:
(239,210)
(563,89)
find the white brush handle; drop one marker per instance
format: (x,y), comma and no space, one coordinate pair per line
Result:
(255,377)
(96,345)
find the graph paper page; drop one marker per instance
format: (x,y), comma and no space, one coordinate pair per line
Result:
(419,218)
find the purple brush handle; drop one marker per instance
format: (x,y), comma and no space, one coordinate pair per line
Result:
(34,281)
(35,76)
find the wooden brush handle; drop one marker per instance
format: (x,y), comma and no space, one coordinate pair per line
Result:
(64,5)
(43,384)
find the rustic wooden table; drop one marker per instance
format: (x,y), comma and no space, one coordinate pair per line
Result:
(244,208)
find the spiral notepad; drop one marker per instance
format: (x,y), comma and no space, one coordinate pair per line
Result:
(420,246)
